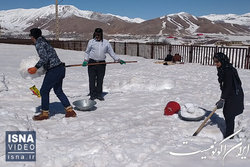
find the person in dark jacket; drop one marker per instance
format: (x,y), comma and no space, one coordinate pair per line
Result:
(168,58)
(55,72)
(232,96)
(95,53)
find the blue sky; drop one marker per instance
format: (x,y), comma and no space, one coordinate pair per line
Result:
(145,9)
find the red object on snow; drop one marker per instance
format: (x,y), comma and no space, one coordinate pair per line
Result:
(171,108)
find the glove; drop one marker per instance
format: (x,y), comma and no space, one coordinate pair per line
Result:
(32,70)
(85,63)
(220,103)
(122,62)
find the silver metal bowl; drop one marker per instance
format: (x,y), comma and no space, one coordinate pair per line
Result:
(84,104)
(186,118)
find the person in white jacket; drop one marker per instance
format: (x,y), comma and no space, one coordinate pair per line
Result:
(95,53)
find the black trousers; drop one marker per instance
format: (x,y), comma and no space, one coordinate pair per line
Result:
(229,120)
(96,75)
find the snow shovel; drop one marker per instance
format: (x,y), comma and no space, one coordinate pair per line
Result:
(204,122)
(91,64)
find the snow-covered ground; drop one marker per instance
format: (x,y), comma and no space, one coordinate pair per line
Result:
(128,129)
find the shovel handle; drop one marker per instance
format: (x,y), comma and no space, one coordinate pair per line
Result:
(204,122)
(92,64)
(169,62)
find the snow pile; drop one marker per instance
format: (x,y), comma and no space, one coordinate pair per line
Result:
(27,63)
(3,84)
(191,111)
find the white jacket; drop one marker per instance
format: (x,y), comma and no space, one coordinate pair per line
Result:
(97,49)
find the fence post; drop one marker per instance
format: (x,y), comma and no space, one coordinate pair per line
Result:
(190,54)
(125,48)
(152,51)
(114,46)
(247,59)
(138,49)
(79,45)
(170,49)
(216,49)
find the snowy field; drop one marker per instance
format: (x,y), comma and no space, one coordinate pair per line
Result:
(128,129)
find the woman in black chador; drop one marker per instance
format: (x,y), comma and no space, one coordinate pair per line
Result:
(232,96)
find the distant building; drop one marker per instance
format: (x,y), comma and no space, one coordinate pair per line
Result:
(229,43)
(200,34)
(170,37)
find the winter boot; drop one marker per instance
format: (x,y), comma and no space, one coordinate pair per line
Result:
(100,98)
(70,112)
(43,115)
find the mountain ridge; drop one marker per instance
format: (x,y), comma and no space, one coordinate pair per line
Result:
(82,22)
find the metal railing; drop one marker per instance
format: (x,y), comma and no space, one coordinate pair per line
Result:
(239,56)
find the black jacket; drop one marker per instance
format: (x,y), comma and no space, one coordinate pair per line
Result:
(232,93)
(169,57)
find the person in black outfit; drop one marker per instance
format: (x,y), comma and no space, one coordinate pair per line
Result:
(232,96)
(169,57)
(96,53)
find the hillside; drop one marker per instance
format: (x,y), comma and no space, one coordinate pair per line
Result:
(76,23)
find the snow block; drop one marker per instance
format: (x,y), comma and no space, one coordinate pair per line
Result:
(27,63)
(191,112)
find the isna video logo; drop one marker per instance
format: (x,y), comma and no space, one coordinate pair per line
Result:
(20,146)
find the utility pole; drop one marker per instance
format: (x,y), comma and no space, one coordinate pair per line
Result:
(57,21)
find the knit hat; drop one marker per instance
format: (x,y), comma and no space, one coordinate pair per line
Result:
(98,31)
(35,32)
